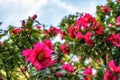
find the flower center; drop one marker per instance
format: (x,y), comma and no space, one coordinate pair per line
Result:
(86,19)
(41,57)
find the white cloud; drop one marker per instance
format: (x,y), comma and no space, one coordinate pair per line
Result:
(90,8)
(20,9)
(64,5)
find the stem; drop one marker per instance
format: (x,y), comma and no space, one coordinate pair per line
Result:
(23,72)
(7,73)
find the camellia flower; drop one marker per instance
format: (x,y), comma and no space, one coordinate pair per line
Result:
(85,21)
(88,39)
(16,31)
(40,56)
(118,1)
(114,39)
(1,43)
(58,74)
(65,48)
(24,69)
(48,43)
(88,74)
(109,76)
(99,30)
(26,53)
(79,35)
(68,68)
(113,67)
(34,17)
(23,23)
(62,34)
(118,21)
(72,31)
(105,9)
(38,27)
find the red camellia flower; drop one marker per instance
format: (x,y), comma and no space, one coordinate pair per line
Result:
(54,31)
(88,74)
(65,48)
(1,43)
(40,56)
(68,68)
(38,27)
(62,34)
(105,9)
(118,1)
(85,21)
(24,69)
(34,17)
(109,76)
(23,23)
(1,78)
(72,31)
(99,30)
(114,39)
(88,39)
(16,31)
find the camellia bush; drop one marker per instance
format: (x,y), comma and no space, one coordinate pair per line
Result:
(89,48)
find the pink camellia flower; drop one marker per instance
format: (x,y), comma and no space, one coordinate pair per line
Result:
(72,31)
(118,21)
(113,67)
(16,31)
(109,76)
(65,48)
(68,68)
(48,43)
(87,71)
(58,74)
(40,56)
(114,39)
(88,39)
(26,53)
(34,17)
(99,30)
(88,74)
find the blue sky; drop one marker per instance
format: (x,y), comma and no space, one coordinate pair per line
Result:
(48,11)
